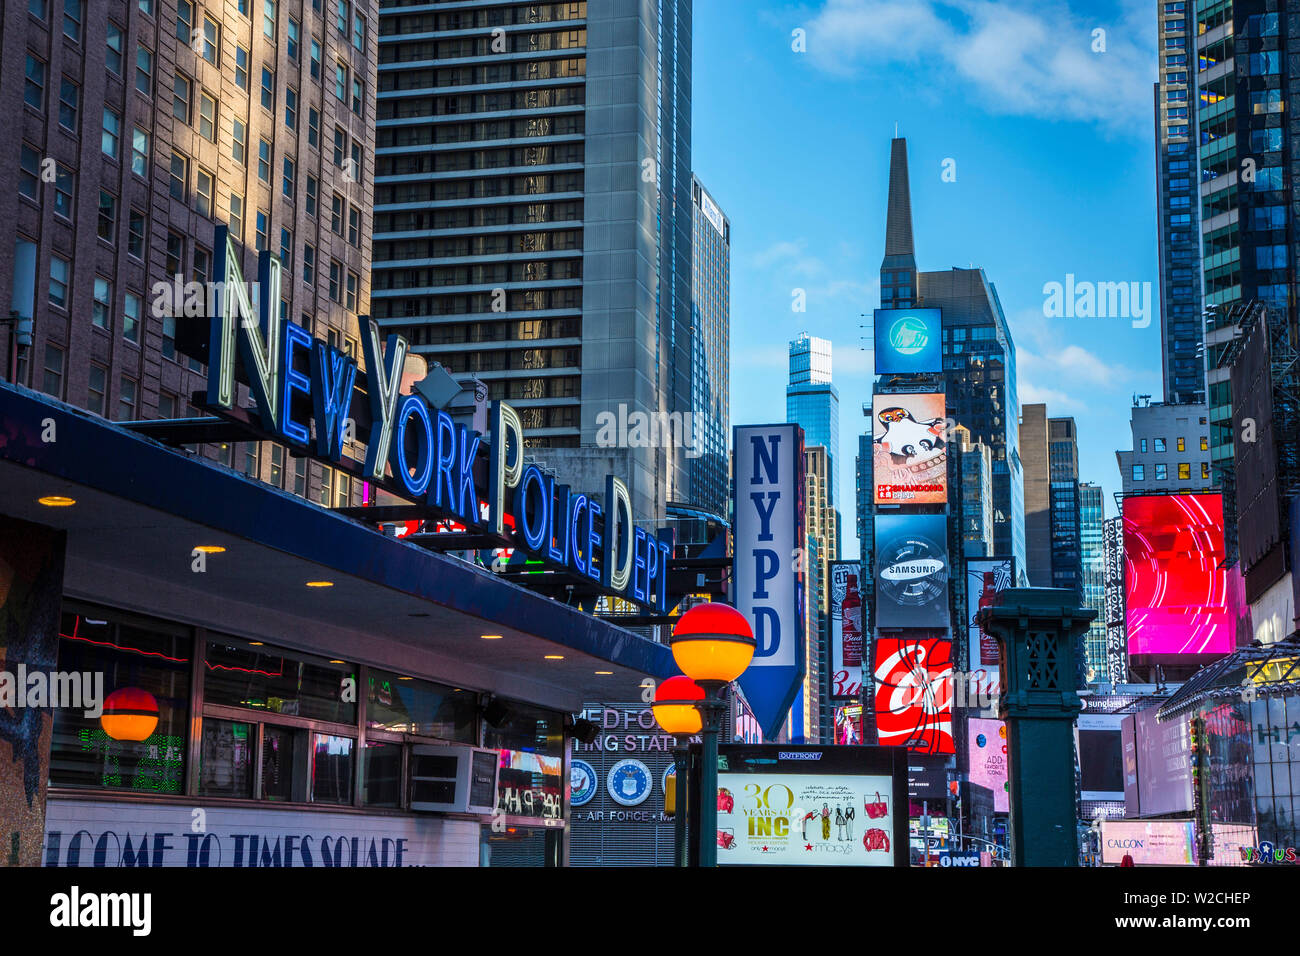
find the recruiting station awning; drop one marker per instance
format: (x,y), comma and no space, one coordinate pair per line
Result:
(143,507)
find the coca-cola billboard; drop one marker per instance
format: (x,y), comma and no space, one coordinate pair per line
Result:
(913,681)
(846,630)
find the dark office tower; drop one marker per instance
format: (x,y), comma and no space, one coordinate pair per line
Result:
(709,459)
(1036,455)
(159,119)
(813,401)
(1093,558)
(1178,194)
(1063,467)
(898,270)
(534,217)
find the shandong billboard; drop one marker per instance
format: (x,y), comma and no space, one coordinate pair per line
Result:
(846,630)
(908,341)
(911,571)
(909,454)
(913,681)
(1175,586)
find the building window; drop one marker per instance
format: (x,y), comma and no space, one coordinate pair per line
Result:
(293,39)
(237,216)
(326,489)
(344,490)
(1159,445)
(207,117)
(277,466)
(203,188)
(139,152)
(107,229)
(169,337)
(1181,445)
(353,172)
(357,95)
(1162,472)
(291,108)
(1139,473)
(341,82)
(264,161)
(1205,469)
(211,41)
(135,234)
(313,127)
(52,381)
(69,98)
(315,59)
(312,189)
(110,142)
(96,388)
(336,279)
(181,98)
(74,12)
(65,187)
(268,19)
(113,54)
(175,255)
(350,301)
(60,269)
(126,400)
(268,89)
(34,86)
(144,70)
(180,176)
(37,8)
(340,146)
(241,68)
(239,143)
(300,477)
(336,214)
(354,226)
(308,263)
(1205,443)
(102,309)
(202,265)
(1184,471)
(131,317)
(359,32)
(261,230)
(341,20)
(286,247)
(29,177)
(290,171)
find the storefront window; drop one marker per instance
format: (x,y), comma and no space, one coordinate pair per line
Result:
(531,742)
(527,728)
(331,769)
(284,764)
(226,758)
(241,674)
(131,654)
(382,769)
(406,705)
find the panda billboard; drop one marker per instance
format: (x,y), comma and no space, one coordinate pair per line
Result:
(909,450)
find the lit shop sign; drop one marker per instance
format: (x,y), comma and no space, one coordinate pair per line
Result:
(415,451)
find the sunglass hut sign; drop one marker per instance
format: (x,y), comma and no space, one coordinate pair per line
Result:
(415,451)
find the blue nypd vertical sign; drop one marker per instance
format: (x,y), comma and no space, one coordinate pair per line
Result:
(769,577)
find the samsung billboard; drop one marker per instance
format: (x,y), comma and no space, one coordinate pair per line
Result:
(911,571)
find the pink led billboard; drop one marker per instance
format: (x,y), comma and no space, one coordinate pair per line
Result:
(1175,587)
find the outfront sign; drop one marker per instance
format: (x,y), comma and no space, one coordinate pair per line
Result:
(770,546)
(308,395)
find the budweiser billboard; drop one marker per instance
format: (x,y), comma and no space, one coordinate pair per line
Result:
(846,630)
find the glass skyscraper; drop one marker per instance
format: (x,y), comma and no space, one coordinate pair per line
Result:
(1093,560)
(814,403)
(710,353)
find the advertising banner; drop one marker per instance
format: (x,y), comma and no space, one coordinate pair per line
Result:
(1101,756)
(1164,765)
(770,583)
(908,341)
(913,678)
(985,577)
(1113,582)
(911,571)
(987,740)
(846,630)
(848,725)
(1176,588)
(811,806)
(909,457)
(1148,842)
(1128,741)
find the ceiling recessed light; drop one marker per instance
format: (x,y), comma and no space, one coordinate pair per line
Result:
(320,584)
(57,501)
(604,673)
(490,637)
(256,643)
(338,662)
(555,657)
(405,678)
(210,549)
(418,614)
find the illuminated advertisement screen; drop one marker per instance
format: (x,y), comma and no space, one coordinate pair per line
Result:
(1175,587)
(846,630)
(908,341)
(911,571)
(985,577)
(909,454)
(1099,744)
(1164,764)
(1148,842)
(790,805)
(987,740)
(848,725)
(913,693)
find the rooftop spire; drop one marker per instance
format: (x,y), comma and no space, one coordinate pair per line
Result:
(898,222)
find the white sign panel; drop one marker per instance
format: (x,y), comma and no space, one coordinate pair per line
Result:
(798,819)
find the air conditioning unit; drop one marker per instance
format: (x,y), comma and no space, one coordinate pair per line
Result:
(453,779)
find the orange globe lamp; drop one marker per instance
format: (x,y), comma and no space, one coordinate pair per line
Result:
(129,714)
(676,707)
(713,642)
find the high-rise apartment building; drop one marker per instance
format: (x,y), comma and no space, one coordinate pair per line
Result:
(534,216)
(813,402)
(1093,560)
(1063,466)
(139,126)
(1171,450)
(1035,453)
(811,712)
(971,478)
(1178,198)
(710,353)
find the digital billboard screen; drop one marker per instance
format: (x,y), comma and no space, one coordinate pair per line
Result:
(1164,764)
(846,630)
(913,681)
(909,453)
(987,740)
(911,571)
(1148,842)
(1175,585)
(908,341)
(985,577)
(1101,756)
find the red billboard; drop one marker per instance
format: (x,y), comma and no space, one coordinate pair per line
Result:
(1175,586)
(913,693)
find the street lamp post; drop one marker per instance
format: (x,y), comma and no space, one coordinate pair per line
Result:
(712,644)
(676,711)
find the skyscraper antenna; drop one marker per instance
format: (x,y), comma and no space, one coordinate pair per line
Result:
(895,129)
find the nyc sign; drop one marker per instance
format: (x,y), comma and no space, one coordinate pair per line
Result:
(306,392)
(769,576)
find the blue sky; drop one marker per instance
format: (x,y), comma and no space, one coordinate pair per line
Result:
(1053,145)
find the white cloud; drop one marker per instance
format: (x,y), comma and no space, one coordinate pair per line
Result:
(1056,401)
(789,256)
(1016,56)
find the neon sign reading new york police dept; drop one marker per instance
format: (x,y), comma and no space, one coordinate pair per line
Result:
(415,451)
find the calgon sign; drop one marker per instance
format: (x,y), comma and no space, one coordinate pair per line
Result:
(414,450)
(769,577)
